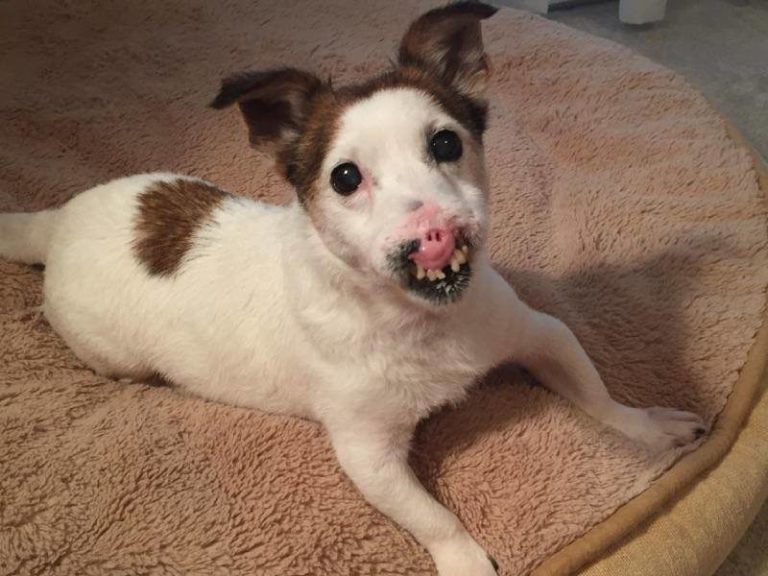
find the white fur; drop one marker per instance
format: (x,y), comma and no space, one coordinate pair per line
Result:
(271,310)
(386,136)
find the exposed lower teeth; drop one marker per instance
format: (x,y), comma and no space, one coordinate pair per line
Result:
(458,258)
(433,275)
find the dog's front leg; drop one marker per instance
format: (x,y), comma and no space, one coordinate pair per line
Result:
(547,347)
(375,457)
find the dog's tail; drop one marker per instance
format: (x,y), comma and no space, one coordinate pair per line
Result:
(24,237)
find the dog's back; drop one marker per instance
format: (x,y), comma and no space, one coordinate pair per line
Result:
(160,273)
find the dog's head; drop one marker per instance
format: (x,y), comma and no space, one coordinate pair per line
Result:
(391,171)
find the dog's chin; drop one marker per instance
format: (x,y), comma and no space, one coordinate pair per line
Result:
(433,287)
(441,291)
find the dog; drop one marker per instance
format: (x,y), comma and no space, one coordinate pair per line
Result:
(366,304)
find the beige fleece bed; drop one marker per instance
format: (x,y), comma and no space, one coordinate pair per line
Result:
(620,204)
(701,512)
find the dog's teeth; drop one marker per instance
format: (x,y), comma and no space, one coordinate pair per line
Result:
(460,257)
(455,264)
(440,275)
(420,273)
(465,249)
(431,275)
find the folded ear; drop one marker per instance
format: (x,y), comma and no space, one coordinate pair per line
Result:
(448,43)
(273,103)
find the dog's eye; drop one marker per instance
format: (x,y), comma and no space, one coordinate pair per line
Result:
(445,146)
(346,178)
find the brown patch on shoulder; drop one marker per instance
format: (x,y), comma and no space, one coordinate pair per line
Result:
(169,215)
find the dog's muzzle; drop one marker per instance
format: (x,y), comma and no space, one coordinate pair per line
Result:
(436,267)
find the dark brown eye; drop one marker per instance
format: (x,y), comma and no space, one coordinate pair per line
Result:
(445,146)
(346,178)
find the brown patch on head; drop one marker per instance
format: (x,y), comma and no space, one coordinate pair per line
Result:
(467,111)
(283,109)
(169,215)
(301,160)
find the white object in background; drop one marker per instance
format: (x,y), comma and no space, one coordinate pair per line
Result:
(641,11)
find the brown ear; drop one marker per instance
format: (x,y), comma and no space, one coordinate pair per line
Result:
(273,103)
(448,43)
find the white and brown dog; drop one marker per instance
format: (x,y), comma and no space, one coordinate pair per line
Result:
(365,304)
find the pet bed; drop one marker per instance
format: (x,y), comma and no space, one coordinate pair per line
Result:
(620,203)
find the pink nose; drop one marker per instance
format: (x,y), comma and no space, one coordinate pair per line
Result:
(435,249)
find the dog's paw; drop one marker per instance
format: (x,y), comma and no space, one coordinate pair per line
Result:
(463,557)
(661,428)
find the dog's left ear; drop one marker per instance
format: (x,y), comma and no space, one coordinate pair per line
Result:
(274,103)
(448,43)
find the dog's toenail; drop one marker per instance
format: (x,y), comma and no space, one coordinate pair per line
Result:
(494,563)
(700,431)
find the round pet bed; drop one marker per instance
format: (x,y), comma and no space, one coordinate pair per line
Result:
(620,203)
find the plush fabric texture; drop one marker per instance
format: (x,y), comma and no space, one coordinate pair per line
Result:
(690,519)
(619,204)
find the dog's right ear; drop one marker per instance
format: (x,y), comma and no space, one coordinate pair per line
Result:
(448,43)
(273,103)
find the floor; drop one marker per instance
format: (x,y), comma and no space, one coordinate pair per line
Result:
(750,557)
(721,46)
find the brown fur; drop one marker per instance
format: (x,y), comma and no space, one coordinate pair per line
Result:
(449,43)
(169,215)
(272,102)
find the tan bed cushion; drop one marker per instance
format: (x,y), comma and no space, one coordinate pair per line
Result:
(694,533)
(619,204)
(693,536)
